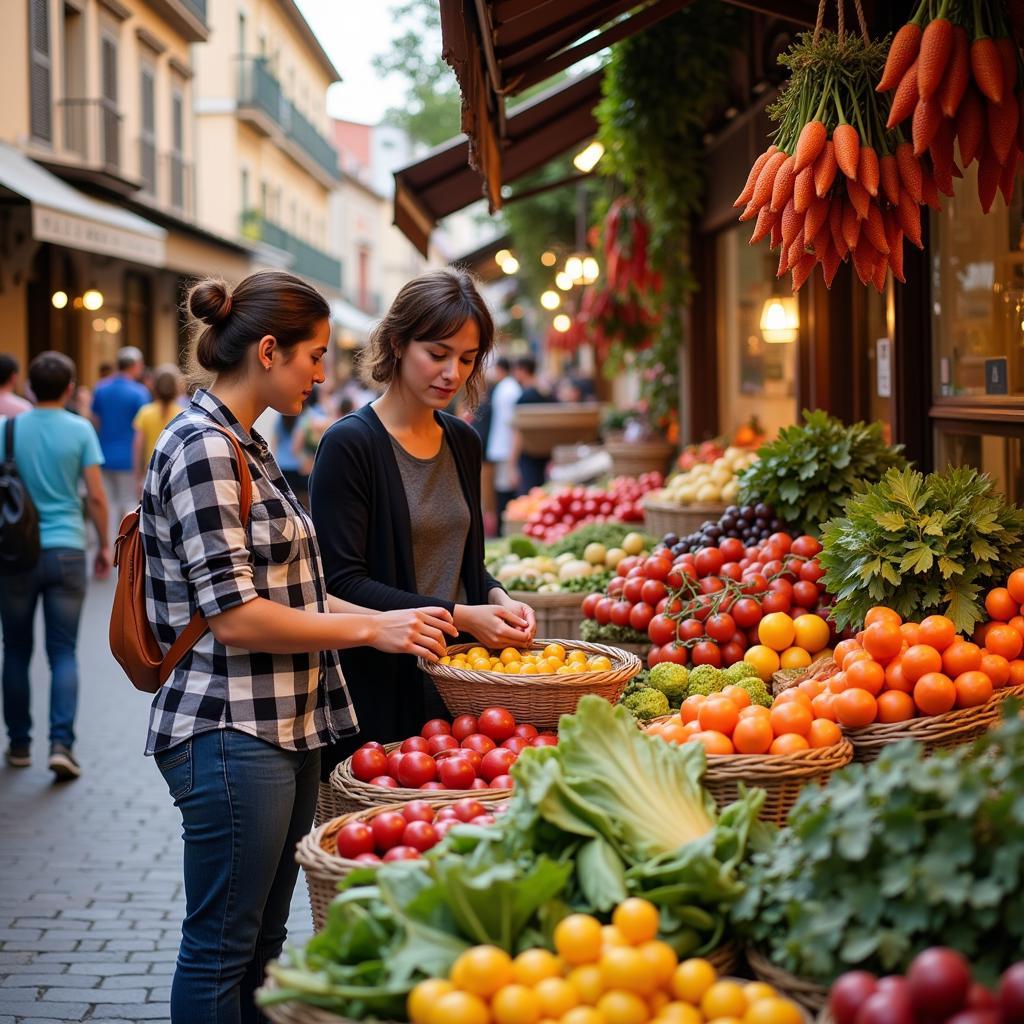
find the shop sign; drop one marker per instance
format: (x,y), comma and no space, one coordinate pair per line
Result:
(92,236)
(997,378)
(883,367)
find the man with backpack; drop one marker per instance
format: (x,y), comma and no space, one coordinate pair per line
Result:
(53,450)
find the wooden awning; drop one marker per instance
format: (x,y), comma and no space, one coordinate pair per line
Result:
(444,181)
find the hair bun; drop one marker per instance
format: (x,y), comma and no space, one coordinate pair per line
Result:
(210,301)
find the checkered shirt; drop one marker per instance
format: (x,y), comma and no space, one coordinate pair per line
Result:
(200,555)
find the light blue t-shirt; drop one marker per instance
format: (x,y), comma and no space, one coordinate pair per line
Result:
(51,448)
(115,403)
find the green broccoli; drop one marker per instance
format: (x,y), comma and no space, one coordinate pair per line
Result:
(758,691)
(646,704)
(671,679)
(741,670)
(706,679)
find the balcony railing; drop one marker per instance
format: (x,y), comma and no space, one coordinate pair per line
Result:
(92,130)
(308,261)
(257,87)
(147,166)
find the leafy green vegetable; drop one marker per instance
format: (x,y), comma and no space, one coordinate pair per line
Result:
(922,545)
(593,633)
(809,470)
(610,535)
(895,856)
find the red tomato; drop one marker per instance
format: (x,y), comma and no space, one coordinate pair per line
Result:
(746,612)
(463,726)
(497,762)
(446,813)
(733,652)
(502,782)
(526,730)
(706,652)
(754,582)
(544,739)
(782,541)
(373,745)
(394,760)
(384,780)
(468,809)
(805,594)
(436,727)
(657,567)
(640,616)
(805,547)
(388,828)
(708,561)
(368,858)
(415,769)
(690,629)
(516,744)
(368,762)
(589,604)
(620,613)
(731,549)
(720,627)
(812,570)
(479,742)
(661,630)
(479,784)
(353,839)
(456,772)
(634,589)
(652,592)
(401,853)
(776,601)
(603,611)
(433,785)
(418,810)
(415,743)
(675,653)
(496,723)
(420,835)
(441,741)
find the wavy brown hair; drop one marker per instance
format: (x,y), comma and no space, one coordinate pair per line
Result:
(431,307)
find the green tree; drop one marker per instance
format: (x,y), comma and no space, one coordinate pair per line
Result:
(432,111)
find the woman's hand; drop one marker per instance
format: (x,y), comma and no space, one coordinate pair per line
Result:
(493,625)
(524,611)
(419,631)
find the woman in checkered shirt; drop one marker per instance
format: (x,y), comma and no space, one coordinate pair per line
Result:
(238,728)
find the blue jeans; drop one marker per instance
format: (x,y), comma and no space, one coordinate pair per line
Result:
(244,805)
(59,578)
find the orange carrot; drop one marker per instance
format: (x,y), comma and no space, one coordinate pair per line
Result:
(792,222)
(902,53)
(847,146)
(958,73)
(803,190)
(815,218)
(929,190)
(905,98)
(766,179)
(909,215)
(936,46)
(894,236)
(859,197)
(1009,175)
(797,249)
(889,173)
(941,151)
(874,228)
(822,241)
(782,189)
(1002,127)
(835,225)
(749,213)
(783,262)
(776,239)
(829,265)
(825,168)
(765,220)
(881,270)
(851,226)
(868,170)
(802,270)
(813,137)
(748,189)
(927,117)
(910,171)
(989,173)
(987,68)
(864,256)
(1008,58)
(970,126)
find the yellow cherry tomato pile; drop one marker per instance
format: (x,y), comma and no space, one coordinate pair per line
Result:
(602,974)
(553,660)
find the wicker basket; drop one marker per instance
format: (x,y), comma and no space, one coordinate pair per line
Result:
(662,517)
(724,958)
(935,732)
(631,458)
(809,994)
(349,794)
(294,1012)
(317,856)
(557,614)
(539,700)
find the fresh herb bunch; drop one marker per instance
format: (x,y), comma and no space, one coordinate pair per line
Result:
(586,584)
(807,473)
(896,856)
(592,632)
(922,545)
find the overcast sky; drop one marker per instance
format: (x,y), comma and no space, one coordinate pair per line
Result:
(353,32)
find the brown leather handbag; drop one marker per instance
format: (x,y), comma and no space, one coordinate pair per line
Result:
(131,636)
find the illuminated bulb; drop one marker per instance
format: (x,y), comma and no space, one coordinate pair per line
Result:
(780,320)
(563,280)
(574,268)
(500,256)
(511,265)
(590,270)
(548,258)
(550,299)
(59,300)
(561,323)
(113,325)
(92,300)
(99,325)
(586,160)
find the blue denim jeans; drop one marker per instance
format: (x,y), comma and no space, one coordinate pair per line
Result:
(59,579)
(244,805)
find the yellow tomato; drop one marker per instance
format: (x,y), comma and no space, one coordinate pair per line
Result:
(755,990)
(548,666)
(514,668)
(555,651)
(773,1010)
(811,633)
(619,1007)
(480,665)
(637,919)
(508,655)
(794,657)
(557,996)
(578,939)
(599,664)
(679,1013)
(692,978)
(764,659)
(583,1015)
(662,959)
(478,652)
(625,968)
(529,669)
(516,1004)
(446,660)
(578,668)
(579,656)
(564,670)
(776,630)
(611,936)
(657,1002)
(460,1008)
(420,1003)
(482,970)
(534,965)
(588,982)
(724,999)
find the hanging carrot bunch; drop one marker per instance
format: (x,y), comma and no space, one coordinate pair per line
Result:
(955,71)
(836,184)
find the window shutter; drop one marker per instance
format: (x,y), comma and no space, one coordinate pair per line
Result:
(40,98)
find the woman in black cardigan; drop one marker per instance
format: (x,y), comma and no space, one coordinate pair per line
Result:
(395,497)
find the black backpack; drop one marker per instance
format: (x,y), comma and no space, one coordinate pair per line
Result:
(19,521)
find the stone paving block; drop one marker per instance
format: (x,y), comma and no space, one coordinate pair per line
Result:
(140,979)
(36,1010)
(108,995)
(42,945)
(21,934)
(10,957)
(158,956)
(120,1012)
(105,970)
(49,981)
(139,945)
(80,956)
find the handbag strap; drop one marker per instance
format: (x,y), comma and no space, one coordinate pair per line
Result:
(197,625)
(9,442)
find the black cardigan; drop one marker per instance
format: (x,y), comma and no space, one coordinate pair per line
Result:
(361,515)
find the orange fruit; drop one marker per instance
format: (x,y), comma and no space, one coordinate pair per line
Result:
(854,656)
(1000,605)
(689,708)
(981,631)
(961,656)
(812,687)
(837,683)
(866,675)
(823,706)
(894,678)
(718,714)
(855,708)
(843,648)
(883,641)
(714,742)
(934,693)
(882,614)
(753,735)
(911,633)
(794,657)
(791,717)
(637,919)
(895,706)
(812,633)
(1017,672)
(764,659)
(919,660)
(793,695)
(737,695)
(1004,640)
(937,631)
(790,743)
(1018,623)
(674,732)
(755,711)
(972,689)
(776,630)
(691,727)
(996,667)
(824,733)
(1015,585)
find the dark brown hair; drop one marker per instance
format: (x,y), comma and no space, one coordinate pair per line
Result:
(268,302)
(431,307)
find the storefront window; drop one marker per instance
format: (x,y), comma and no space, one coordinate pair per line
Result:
(998,456)
(756,378)
(978,296)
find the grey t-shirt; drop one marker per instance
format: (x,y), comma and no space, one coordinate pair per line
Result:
(440,521)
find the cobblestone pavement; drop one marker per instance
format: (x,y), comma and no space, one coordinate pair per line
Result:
(90,871)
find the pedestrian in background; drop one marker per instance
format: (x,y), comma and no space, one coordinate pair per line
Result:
(530,470)
(10,402)
(236,730)
(500,449)
(115,402)
(151,419)
(53,450)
